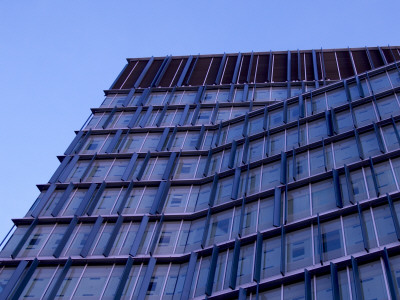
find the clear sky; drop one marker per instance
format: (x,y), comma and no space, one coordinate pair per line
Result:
(56,58)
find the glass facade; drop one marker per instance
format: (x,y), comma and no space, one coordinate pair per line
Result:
(249,185)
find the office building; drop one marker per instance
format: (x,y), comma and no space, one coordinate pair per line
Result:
(269,175)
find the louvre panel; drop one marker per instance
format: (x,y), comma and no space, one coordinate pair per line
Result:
(280,68)
(244,69)
(200,71)
(171,71)
(213,72)
(122,77)
(309,67)
(253,69)
(229,69)
(361,61)
(319,65)
(388,55)
(331,66)
(294,66)
(262,68)
(344,62)
(376,58)
(151,73)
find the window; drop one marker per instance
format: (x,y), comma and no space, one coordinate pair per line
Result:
(346,152)
(372,282)
(276,143)
(35,241)
(380,83)
(336,97)
(316,130)
(323,196)
(245,265)
(270,176)
(92,282)
(344,121)
(98,171)
(388,107)
(353,234)
(220,227)
(384,225)
(369,144)
(69,283)
(167,238)
(271,257)
(364,114)
(298,249)
(298,204)
(331,238)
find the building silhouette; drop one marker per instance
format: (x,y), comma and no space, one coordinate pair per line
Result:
(268,175)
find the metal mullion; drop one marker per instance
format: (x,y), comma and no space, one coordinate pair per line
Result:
(98,121)
(385,279)
(61,212)
(197,276)
(96,242)
(305,67)
(187,200)
(388,274)
(108,279)
(179,232)
(208,70)
(393,174)
(349,281)
(108,172)
(197,166)
(225,267)
(70,240)
(240,69)
(107,137)
(255,72)
(136,281)
(50,281)
(152,235)
(124,238)
(166,279)
(374,226)
(45,242)
(343,237)
(117,118)
(270,67)
(141,197)
(176,73)
(77,283)
(337,65)
(129,74)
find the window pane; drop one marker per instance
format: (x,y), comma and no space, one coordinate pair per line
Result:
(331,238)
(372,282)
(384,225)
(344,121)
(92,282)
(298,204)
(388,107)
(346,152)
(323,196)
(271,257)
(336,97)
(298,249)
(364,114)
(353,234)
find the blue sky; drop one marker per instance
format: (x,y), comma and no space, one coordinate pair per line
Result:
(56,58)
